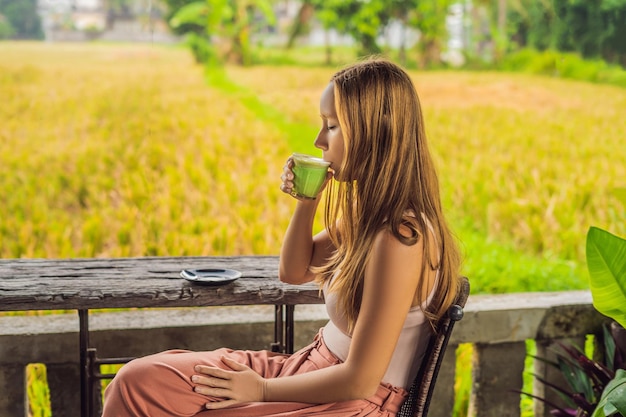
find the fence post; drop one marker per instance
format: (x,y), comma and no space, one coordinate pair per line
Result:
(13,399)
(64,384)
(497,371)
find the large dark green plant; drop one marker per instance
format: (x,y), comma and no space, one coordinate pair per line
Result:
(598,388)
(606,260)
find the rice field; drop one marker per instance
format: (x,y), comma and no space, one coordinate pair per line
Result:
(110,150)
(124,151)
(128,150)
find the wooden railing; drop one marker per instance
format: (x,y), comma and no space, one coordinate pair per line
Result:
(497,326)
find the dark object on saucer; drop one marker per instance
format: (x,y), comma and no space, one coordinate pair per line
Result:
(210,276)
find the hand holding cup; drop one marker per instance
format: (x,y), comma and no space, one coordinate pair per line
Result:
(304,176)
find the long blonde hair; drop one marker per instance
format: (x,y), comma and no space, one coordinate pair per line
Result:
(387,172)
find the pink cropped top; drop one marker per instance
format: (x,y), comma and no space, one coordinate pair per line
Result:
(409,352)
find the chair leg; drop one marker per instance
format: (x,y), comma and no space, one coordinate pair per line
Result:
(289,329)
(279,336)
(94,385)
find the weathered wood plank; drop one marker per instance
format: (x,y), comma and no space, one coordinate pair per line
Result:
(38,284)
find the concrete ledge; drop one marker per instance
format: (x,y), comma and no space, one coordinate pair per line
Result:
(152,318)
(505,318)
(54,338)
(489,319)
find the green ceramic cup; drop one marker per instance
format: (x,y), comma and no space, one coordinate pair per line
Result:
(309,175)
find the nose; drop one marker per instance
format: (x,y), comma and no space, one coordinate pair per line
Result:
(320,141)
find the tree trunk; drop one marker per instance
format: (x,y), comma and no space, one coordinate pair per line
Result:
(402,51)
(368,45)
(501,38)
(430,52)
(329,50)
(304,16)
(477,40)
(502,17)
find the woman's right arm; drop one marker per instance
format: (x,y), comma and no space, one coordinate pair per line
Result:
(301,250)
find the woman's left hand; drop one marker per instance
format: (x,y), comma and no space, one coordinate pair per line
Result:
(240,385)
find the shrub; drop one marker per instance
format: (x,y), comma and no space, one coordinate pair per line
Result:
(564,65)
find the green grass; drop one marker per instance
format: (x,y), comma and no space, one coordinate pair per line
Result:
(131,150)
(564,65)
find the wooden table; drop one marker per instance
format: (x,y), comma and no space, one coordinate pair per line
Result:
(87,284)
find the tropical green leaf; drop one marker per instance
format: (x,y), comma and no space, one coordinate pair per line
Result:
(194,13)
(606,260)
(576,377)
(265,7)
(219,11)
(564,394)
(609,347)
(613,398)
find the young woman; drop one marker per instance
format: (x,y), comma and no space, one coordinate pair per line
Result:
(386,262)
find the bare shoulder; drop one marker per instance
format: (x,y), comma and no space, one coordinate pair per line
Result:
(388,249)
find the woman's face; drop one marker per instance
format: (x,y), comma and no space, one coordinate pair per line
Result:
(330,138)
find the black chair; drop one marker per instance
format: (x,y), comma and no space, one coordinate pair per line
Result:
(421,392)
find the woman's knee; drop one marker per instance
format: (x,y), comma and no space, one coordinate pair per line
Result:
(146,386)
(147,369)
(134,369)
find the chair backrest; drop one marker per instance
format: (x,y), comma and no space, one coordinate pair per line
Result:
(418,401)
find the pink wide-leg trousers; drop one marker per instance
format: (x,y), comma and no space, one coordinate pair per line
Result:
(160,386)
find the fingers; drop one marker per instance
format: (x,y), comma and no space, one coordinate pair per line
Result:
(216,378)
(228,387)
(212,371)
(210,381)
(234,365)
(213,382)
(287,178)
(211,377)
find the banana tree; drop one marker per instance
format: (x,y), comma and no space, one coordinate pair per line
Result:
(606,260)
(227,27)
